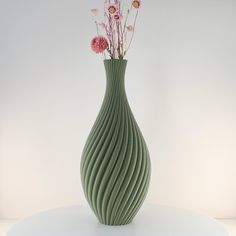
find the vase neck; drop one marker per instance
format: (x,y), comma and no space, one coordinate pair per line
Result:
(115,73)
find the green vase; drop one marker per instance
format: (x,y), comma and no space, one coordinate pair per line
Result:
(115,164)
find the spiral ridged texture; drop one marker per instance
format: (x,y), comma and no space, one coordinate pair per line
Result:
(115,165)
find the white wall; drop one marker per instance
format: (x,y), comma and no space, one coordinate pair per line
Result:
(181,83)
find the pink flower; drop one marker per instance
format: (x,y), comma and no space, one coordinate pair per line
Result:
(117,17)
(130,28)
(99,44)
(94,11)
(112,9)
(103,25)
(136,4)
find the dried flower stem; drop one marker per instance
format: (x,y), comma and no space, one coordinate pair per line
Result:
(135,20)
(97,27)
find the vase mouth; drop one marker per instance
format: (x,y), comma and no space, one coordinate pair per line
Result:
(106,60)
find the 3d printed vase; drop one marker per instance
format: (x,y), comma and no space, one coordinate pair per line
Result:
(115,165)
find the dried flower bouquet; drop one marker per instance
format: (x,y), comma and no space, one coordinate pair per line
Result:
(114,33)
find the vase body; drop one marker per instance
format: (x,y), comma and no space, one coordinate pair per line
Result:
(115,164)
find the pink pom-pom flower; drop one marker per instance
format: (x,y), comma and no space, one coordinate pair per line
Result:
(99,44)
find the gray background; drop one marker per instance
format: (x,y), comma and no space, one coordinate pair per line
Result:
(181,83)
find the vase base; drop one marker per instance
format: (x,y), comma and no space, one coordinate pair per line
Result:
(115,224)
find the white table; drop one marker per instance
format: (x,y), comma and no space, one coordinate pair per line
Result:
(151,221)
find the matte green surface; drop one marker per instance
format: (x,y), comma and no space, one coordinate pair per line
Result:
(115,165)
